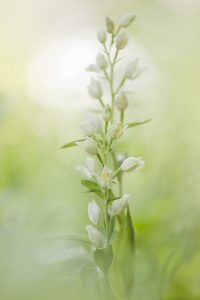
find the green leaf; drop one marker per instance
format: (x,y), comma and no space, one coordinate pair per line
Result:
(92,187)
(103,258)
(133,124)
(121,274)
(71,144)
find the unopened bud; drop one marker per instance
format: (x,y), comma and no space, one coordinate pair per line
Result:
(132,164)
(127,20)
(121,41)
(90,146)
(101,61)
(95,90)
(94,212)
(116,130)
(131,69)
(91,125)
(107,114)
(110,26)
(101,36)
(95,236)
(119,205)
(121,101)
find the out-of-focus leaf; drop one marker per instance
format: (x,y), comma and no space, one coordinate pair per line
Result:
(133,124)
(90,280)
(71,144)
(71,248)
(121,274)
(103,258)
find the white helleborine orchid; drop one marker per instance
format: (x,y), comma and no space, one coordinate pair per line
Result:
(121,41)
(101,61)
(90,146)
(91,125)
(132,164)
(105,178)
(94,212)
(121,101)
(119,205)
(101,36)
(95,236)
(89,169)
(95,90)
(116,130)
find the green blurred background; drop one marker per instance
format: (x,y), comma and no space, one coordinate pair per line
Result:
(45,48)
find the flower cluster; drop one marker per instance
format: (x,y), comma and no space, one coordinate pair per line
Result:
(102,167)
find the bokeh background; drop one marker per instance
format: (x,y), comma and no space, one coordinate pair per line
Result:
(44,50)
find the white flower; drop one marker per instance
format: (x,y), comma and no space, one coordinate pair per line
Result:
(90,146)
(94,212)
(107,114)
(119,205)
(121,101)
(127,20)
(132,164)
(101,36)
(95,236)
(116,130)
(89,169)
(110,26)
(105,178)
(91,125)
(83,170)
(101,61)
(95,90)
(121,41)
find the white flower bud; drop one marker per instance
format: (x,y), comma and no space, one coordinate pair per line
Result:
(121,41)
(121,101)
(132,164)
(90,146)
(101,61)
(92,68)
(91,165)
(110,26)
(105,178)
(107,114)
(94,212)
(95,236)
(101,36)
(91,125)
(127,20)
(116,130)
(119,205)
(95,90)
(83,170)
(131,69)
(89,169)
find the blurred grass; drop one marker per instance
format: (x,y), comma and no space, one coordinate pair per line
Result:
(39,188)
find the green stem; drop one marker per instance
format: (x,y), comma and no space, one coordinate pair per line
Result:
(101,102)
(106,217)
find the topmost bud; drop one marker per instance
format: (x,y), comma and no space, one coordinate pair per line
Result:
(127,20)
(110,26)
